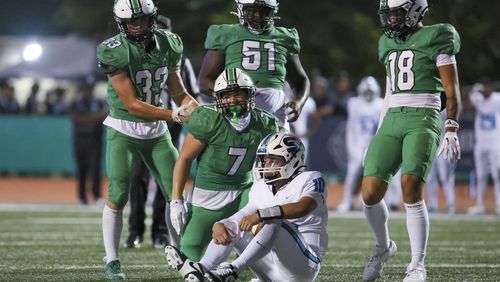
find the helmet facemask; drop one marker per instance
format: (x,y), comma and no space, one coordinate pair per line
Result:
(136,23)
(257,16)
(235,102)
(399,21)
(234,93)
(286,148)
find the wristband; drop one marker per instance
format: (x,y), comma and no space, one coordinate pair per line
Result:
(275,212)
(451,123)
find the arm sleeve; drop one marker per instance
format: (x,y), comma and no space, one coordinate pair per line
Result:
(175,52)
(200,124)
(294,42)
(216,38)
(315,188)
(445,41)
(111,57)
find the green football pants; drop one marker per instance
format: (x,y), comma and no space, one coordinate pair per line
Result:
(159,155)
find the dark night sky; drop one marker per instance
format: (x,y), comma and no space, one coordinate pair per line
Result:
(27,17)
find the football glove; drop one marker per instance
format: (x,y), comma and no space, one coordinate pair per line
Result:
(182,113)
(177,215)
(450,148)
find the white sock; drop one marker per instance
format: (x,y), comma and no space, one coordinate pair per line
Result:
(174,238)
(260,245)
(377,216)
(215,255)
(112,225)
(417,223)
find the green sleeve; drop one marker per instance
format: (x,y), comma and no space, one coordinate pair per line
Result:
(216,38)
(112,52)
(176,49)
(201,123)
(293,42)
(445,41)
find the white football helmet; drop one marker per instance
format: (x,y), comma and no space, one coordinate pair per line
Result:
(230,80)
(284,145)
(398,17)
(269,8)
(368,88)
(141,12)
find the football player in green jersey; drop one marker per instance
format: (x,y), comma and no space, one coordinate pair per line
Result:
(269,55)
(420,65)
(139,62)
(223,138)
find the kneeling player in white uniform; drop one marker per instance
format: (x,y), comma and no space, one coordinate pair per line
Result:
(280,234)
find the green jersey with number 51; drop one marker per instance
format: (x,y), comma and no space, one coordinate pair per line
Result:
(147,70)
(261,56)
(226,162)
(411,65)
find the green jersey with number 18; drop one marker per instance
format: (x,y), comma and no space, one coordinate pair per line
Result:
(411,65)
(226,162)
(147,70)
(261,56)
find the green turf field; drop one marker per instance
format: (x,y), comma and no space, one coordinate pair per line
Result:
(65,244)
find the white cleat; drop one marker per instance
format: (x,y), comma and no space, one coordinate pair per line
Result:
(476,210)
(377,260)
(189,270)
(415,272)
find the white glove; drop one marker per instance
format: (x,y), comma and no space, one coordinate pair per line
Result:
(450,148)
(182,113)
(177,215)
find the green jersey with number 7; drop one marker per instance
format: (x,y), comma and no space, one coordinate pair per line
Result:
(227,162)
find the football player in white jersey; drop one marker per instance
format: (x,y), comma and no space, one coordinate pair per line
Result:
(487,143)
(280,234)
(442,171)
(363,113)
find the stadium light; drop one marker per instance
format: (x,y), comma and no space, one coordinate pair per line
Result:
(32,52)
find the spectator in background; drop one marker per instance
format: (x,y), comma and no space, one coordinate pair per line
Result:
(8,102)
(55,102)
(141,175)
(87,114)
(33,105)
(342,93)
(320,92)
(487,142)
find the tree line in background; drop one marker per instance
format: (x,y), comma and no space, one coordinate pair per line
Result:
(336,35)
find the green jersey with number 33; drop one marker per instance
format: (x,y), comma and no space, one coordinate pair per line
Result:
(147,70)
(262,57)
(226,162)
(411,65)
